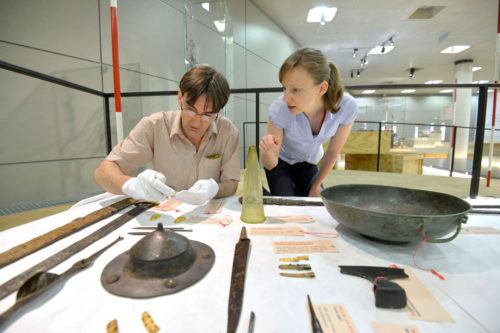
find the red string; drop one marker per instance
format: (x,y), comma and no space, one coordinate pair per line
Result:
(318,234)
(425,269)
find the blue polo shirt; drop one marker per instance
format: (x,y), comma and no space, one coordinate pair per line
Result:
(299,144)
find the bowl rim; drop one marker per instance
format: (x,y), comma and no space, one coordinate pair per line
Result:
(469,207)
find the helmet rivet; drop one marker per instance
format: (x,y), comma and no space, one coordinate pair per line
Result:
(171,283)
(112,278)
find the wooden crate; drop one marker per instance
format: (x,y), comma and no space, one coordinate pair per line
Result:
(367,143)
(391,162)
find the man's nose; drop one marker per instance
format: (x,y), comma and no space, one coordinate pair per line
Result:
(197,119)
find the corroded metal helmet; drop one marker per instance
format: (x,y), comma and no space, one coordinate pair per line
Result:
(161,263)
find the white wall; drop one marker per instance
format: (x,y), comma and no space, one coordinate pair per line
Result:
(52,138)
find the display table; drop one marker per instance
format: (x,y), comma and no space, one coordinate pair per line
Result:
(470,265)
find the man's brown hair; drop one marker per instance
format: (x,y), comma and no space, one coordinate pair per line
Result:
(204,79)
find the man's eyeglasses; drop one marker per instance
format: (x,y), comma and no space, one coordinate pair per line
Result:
(206,117)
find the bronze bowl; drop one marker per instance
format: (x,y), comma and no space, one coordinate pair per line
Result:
(394,214)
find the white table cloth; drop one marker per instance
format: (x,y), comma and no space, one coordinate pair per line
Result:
(470,292)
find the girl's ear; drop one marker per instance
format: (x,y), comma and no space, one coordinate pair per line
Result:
(323,88)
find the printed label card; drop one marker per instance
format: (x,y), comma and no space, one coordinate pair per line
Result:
(421,305)
(215,220)
(290,219)
(276,231)
(320,246)
(333,318)
(393,328)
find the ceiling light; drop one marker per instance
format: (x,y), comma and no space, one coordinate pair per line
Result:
(368,91)
(446,91)
(408,91)
(206,6)
(412,72)
(378,49)
(321,14)
(433,81)
(220,25)
(476,68)
(455,49)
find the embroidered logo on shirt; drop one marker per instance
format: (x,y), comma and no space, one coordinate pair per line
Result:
(213,156)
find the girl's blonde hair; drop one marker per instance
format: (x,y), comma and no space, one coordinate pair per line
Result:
(315,63)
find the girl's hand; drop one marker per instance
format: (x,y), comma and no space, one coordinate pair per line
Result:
(315,191)
(270,143)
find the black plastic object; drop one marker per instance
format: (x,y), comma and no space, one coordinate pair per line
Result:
(388,294)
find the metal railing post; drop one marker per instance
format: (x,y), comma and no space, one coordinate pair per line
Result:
(453,138)
(107,121)
(378,148)
(257,122)
(478,144)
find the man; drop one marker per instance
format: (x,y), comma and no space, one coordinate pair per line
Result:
(194,150)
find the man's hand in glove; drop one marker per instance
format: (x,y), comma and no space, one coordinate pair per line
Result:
(201,191)
(148,185)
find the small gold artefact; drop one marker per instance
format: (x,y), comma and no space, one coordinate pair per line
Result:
(304,267)
(299,275)
(180,219)
(213,156)
(112,326)
(150,325)
(294,259)
(155,217)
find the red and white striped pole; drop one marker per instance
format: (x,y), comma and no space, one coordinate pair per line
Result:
(116,71)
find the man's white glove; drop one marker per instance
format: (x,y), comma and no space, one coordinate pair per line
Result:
(148,185)
(201,191)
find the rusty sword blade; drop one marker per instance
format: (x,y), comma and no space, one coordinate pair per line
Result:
(52,236)
(14,283)
(237,281)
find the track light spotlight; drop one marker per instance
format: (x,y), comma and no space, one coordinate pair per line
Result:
(412,72)
(352,74)
(383,49)
(355,53)
(391,42)
(358,74)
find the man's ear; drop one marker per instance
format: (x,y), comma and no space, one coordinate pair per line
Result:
(179,98)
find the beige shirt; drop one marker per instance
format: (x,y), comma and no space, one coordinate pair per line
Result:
(158,138)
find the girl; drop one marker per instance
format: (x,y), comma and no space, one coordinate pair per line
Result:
(313,109)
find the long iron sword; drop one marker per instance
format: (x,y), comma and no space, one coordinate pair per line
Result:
(13,284)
